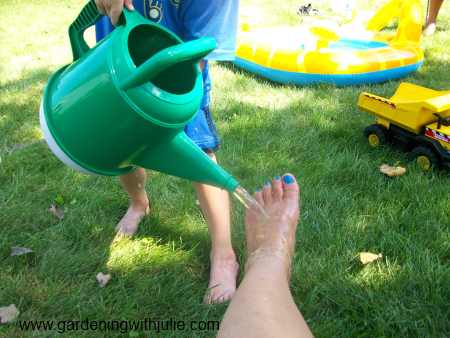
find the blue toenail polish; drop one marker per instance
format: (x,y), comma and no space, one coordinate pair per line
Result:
(258,190)
(277,178)
(267,184)
(288,179)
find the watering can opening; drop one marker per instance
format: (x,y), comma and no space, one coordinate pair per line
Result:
(144,41)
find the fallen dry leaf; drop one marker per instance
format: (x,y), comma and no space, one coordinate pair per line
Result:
(56,211)
(19,251)
(103,279)
(8,314)
(392,171)
(368,257)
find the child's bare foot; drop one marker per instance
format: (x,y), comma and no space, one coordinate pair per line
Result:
(429,29)
(222,278)
(129,223)
(273,235)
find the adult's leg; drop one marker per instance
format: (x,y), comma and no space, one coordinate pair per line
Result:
(215,205)
(263,305)
(433,10)
(134,185)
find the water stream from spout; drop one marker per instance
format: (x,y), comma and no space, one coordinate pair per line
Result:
(248,201)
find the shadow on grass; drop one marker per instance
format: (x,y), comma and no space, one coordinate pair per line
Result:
(163,268)
(19,110)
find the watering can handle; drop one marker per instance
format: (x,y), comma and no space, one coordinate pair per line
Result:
(87,18)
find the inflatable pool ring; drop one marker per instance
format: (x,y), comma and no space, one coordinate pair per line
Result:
(322,55)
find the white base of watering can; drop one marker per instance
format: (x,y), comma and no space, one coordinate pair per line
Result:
(54,147)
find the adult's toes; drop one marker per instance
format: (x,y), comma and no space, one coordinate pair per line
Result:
(277,188)
(259,197)
(267,193)
(290,187)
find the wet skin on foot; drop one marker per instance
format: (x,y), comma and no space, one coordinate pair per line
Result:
(274,236)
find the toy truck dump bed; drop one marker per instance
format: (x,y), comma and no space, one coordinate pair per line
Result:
(412,107)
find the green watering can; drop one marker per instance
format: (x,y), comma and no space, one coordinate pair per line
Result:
(125,102)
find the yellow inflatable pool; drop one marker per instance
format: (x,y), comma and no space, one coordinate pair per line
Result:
(343,55)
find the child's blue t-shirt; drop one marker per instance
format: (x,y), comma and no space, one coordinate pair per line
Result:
(191,19)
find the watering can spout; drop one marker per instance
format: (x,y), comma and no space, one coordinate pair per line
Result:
(168,57)
(196,165)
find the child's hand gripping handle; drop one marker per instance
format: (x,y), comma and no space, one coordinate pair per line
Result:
(87,18)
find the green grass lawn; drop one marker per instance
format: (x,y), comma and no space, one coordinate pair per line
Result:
(267,129)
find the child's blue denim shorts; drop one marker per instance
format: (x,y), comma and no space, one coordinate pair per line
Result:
(202,131)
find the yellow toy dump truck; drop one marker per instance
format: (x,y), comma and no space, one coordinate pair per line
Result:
(416,117)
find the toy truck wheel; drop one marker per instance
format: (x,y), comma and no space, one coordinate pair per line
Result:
(376,135)
(425,158)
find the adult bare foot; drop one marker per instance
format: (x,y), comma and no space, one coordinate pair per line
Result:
(129,223)
(222,278)
(273,235)
(263,305)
